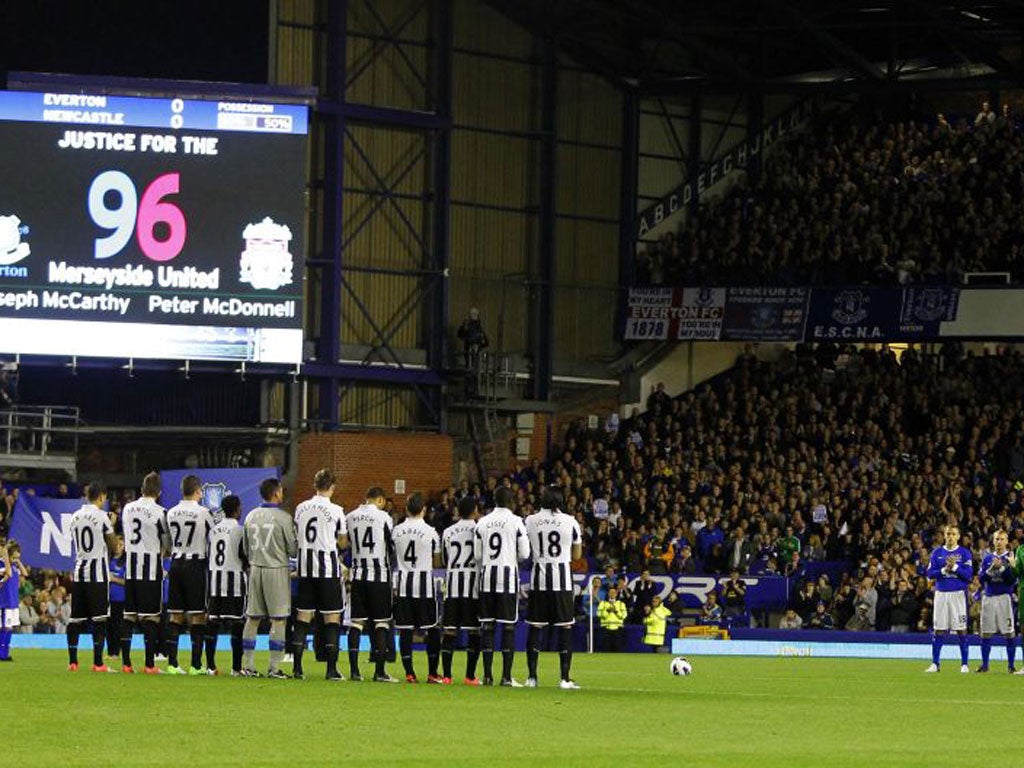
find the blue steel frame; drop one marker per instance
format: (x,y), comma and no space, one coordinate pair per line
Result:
(337,114)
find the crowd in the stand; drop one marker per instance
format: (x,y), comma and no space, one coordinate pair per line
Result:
(852,201)
(829,454)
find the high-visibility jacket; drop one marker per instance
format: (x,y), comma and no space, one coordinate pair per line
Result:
(654,624)
(611,614)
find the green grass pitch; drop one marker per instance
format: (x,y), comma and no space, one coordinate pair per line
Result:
(631,712)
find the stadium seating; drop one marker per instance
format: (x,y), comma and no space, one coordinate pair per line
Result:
(856,202)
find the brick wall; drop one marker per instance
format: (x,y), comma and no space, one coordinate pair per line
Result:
(364,459)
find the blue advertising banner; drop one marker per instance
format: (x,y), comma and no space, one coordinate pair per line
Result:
(854,314)
(765,313)
(41,527)
(218,483)
(925,308)
(763,592)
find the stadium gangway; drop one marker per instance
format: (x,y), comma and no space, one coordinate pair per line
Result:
(41,437)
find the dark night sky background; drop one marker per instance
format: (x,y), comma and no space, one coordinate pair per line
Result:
(223,40)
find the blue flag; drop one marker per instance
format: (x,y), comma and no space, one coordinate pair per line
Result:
(218,483)
(41,527)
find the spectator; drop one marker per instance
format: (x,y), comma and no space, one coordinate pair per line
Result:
(734,596)
(116,597)
(644,591)
(824,588)
(864,606)
(711,612)
(806,601)
(821,618)
(28,614)
(739,551)
(611,613)
(474,338)
(904,612)
(787,546)
(684,564)
(985,117)
(654,621)
(591,598)
(791,620)
(676,607)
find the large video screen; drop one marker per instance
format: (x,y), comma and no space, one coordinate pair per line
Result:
(151,227)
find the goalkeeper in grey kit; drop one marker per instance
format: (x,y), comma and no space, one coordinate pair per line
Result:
(268,540)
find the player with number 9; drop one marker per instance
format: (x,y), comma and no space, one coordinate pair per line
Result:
(500,543)
(226,604)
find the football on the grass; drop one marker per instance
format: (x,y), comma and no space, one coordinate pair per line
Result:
(681,666)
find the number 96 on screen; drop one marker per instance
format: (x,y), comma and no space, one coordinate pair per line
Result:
(115,205)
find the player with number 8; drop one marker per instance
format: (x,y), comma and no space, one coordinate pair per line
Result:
(226,603)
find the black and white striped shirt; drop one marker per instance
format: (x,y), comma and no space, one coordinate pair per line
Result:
(226,569)
(189,524)
(369,535)
(500,542)
(89,527)
(145,535)
(458,557)
(319,524)
(416,543)
(552,536)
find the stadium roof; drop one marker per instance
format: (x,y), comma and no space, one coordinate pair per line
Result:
(677,46)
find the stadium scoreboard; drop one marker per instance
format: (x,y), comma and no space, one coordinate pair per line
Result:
(141,227)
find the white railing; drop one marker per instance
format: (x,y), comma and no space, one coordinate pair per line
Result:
(40,429)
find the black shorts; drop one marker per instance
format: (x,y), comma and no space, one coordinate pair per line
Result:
(186,586)
(143,597)
(415,612)
(371,601)
(461,613)
(550,607)
(226,607)
(90,600)
(502,607)
(324,595)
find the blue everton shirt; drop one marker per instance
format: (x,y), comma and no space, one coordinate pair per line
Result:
(958,580)
(997,575)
